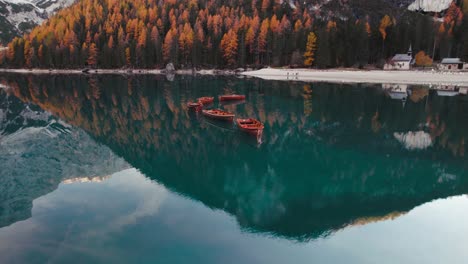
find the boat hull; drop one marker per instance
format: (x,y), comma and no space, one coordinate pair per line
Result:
(250,126)
(206,100)
(225,116)
(233,97)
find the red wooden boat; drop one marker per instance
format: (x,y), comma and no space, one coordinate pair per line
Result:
(206,100)
(250,125)
(195,106)
(218,114)
(231,97)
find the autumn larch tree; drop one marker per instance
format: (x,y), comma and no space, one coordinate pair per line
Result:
(155,49)
(2,57)
(27,54)
(141,47)
(385,22)
(92,55)
(229,45)
(168,46)
(128,57)
(186,39)
(263,40)
(84,53)
(311,47)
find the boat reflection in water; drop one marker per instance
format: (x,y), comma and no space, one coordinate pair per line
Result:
(329,158)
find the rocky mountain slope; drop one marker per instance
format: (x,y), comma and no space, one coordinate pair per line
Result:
(20,16)
(374,8)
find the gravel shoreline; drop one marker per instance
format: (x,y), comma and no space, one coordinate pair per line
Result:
(360,76)
(437,78)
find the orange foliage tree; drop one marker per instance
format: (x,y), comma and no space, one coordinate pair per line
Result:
(422,59)
(385,22)
(229,45)
(92,55)
(311,47)
(168,45)
(186,39)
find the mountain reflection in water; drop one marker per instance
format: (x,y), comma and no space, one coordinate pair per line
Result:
(329,156)
(37,152)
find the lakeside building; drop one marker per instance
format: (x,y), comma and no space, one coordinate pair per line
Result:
(452,64)
(401,61)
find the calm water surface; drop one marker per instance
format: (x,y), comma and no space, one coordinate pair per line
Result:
(114,169)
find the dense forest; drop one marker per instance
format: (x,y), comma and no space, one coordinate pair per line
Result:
(229,34)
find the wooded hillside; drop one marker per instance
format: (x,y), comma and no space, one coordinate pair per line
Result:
(215,33)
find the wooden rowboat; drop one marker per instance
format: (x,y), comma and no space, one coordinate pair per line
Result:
(231,97)
(250,125)
(206,100)
(218,114)
(197,106)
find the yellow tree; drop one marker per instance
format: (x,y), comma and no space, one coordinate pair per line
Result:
(110,43)
(27,53)
(298,26)
(422,59)
(154,36)
(128,58)
(275,25)
(168,44)
(368,28)
(41,53)
(140,48)
(73,55)
(84,53)
(229,45)
(199,31)
(70,38)
(186,39)
(331,25)
(311,47)
(2,57)
(251,33)
(11,49)
(263,38)
(92,55)
(385,22)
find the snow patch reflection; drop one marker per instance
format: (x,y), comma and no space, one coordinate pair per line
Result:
(414,140)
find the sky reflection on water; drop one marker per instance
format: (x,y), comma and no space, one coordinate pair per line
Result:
(128,218)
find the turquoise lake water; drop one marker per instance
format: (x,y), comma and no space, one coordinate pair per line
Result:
(115,169)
